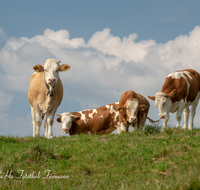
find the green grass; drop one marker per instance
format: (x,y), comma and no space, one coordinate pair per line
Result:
(147,159)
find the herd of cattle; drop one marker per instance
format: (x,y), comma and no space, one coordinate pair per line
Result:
(180,90)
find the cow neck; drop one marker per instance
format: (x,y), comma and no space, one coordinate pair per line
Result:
(126,123)
(50,92)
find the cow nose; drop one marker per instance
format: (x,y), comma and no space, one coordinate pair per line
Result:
(161,116)
(64,130)
(51,81)
(132,119)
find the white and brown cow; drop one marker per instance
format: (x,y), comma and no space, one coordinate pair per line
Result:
(102,120)
(133,110)
(180,90)
(45,94)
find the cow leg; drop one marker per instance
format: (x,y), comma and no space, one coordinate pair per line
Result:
(50,118)
(38,120)
(45,127)
(180,112)
(142,121)
(123,127)
(165,122)
(49,123)
(134,126)
(118,128)
(193,112)
(33,120)
(186,113)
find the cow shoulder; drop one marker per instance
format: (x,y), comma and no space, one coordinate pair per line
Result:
(36,87)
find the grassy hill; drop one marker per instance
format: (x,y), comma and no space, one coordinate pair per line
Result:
(147,159)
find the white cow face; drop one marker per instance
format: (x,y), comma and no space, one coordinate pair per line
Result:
(164,103)
(66,119)
(51,70)
(128,113)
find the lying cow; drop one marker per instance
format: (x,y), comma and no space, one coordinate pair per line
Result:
(103,120)
(45,94)
(180,90)
(133,110)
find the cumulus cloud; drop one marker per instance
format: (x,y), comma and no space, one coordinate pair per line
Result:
(126,49)
(101,69)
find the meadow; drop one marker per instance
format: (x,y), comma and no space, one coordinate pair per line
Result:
(148,159)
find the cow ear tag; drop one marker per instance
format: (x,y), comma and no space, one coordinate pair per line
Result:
(37,70)
(121,110)
(64,70)
(142,109)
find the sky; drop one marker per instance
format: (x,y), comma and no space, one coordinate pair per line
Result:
(112,46)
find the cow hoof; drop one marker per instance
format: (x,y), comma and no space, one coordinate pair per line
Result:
(49,137)
(37,135)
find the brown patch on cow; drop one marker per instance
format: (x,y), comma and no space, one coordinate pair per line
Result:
(98,121)
(181,86)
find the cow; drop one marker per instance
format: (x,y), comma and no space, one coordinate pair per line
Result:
(180,90)
(133,109)
(100,121)
(45,94)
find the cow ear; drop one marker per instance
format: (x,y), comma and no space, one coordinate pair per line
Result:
(58,119)
(142,107)
(171,94)
(75,118)
(121,109)
(38,68)
(152,97)
(64,67)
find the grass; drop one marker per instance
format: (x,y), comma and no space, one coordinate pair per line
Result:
(148,159)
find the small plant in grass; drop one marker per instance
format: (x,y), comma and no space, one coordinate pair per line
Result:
(169,130)
(152,129)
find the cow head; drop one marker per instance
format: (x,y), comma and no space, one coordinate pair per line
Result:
(51,70)
(163,102)
(128,113)
(66,119)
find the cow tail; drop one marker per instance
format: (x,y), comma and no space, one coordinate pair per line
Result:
(152,121)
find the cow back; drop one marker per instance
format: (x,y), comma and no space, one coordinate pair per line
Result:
(186,82)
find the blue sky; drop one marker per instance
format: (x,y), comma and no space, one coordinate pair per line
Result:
(158,20)
(132,44)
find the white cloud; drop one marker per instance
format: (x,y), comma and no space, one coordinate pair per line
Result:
(101,70)
(126,49)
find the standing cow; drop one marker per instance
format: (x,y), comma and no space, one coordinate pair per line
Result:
(45,94)
(180,90)
(133,110)
(102,120)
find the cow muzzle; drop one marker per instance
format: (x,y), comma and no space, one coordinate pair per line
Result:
(132,119)
(162,116)
(64,130)
(51,81)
